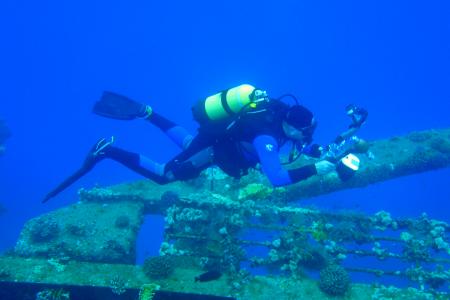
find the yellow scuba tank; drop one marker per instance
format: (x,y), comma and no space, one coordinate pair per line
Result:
(222,107)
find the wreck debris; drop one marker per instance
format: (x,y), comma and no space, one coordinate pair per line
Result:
(84,232)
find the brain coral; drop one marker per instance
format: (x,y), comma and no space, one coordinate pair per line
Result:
(158,267)
(334,280)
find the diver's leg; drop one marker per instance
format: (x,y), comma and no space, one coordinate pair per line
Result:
(175,132)
(182,168)
(112,105)
(163,173)
(139,164)
(186,165)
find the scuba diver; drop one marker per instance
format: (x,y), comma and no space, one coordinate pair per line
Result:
(239,128)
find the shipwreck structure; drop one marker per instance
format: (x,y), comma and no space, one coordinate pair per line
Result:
(232,228)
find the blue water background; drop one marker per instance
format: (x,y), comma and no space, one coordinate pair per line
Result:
(391,57)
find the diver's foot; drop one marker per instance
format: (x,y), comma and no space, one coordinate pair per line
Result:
(98,152)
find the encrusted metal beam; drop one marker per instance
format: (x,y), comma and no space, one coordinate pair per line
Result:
(386,159)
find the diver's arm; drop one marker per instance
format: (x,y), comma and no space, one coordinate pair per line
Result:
(359,116)
(267,149)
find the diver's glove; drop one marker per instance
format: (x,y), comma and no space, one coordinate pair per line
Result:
(358,115)
(324,167)
(336,151)
(341,154)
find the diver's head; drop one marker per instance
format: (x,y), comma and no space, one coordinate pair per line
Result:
(299,124)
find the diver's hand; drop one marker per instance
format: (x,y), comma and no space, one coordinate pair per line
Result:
(324,167)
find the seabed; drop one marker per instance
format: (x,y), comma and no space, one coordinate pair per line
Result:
(87,250)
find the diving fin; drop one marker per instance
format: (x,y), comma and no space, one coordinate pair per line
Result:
(96,154)
(115,106)
(66,183)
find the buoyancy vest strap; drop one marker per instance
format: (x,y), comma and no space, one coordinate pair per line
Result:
(226,107)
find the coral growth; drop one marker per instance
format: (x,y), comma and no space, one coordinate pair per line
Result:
(148,291)
(355,230)
(169,198)
(44,230)
(382,220)
(122,222)
(85,231)
(420,136)
(391,292)
(319,231)
(158,267)
(313,258)
(415,250)
(255,191)
(188,216)
(114,250)
(53,294)
(334,280)
(440,144)
(78,230)
(118,285)
(4,274)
